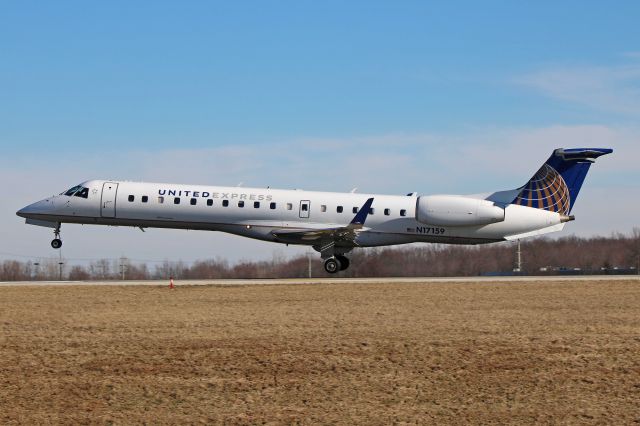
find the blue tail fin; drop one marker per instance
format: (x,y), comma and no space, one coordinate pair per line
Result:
(556,185)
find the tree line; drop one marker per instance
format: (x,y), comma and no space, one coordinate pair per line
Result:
(614,254)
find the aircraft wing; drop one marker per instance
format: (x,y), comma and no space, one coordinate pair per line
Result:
(302,236)
(334,234)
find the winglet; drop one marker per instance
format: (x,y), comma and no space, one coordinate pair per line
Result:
(362,214)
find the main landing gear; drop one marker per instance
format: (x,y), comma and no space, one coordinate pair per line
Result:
(336,263)
(334,258)
(56,243)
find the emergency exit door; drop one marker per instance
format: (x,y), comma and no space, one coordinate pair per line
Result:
(108,202)
(305,206)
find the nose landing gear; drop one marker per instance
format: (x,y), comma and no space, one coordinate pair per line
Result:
(56,243)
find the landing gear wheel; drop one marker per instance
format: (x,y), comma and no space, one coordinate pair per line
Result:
(344,261)
(57,242)
(332,265)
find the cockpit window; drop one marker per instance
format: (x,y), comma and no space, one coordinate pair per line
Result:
(83,192)
(78,191)
(72,191)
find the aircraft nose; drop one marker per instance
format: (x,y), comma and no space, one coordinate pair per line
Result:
(27,211)
(35,208)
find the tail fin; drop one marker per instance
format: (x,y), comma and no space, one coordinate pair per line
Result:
(556,185)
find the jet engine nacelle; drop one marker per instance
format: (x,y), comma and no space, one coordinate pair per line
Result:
(455,210)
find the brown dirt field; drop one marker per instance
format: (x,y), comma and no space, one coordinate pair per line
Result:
(546,352)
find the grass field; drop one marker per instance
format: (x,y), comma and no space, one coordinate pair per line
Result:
(546,352)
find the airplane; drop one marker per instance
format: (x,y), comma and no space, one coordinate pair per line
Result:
(330,222)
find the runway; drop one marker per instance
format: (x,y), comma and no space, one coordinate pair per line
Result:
(316,281)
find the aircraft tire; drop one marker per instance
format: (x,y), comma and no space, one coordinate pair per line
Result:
(332,265)
(56,243)
(344,262)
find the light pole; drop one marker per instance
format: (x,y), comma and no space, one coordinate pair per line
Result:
(123,266)
(37,271)
(60,264)
(518,268)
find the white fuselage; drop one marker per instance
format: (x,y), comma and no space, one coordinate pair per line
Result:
(260,213)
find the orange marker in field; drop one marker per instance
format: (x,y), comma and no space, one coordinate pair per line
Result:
(171,282)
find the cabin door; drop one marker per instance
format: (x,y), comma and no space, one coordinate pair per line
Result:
(305,206)
(108,202)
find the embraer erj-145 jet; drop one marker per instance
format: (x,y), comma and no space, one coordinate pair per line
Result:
(332,223)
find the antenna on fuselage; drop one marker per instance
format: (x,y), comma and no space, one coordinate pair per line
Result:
(353,191)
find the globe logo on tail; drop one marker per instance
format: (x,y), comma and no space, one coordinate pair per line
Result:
(546,190)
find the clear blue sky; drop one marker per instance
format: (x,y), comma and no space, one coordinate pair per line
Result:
(414,86)
(227,72)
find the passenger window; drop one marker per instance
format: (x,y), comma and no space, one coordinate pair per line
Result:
(387,212)
(209,202)
(240,203)
(355,210)
(289,206)
(225,203)
(256,204)
(160,200)
(403,212)
(176,200)
(131,198)
(272,206)
(145,199)
(304,207)
(193,201)
(339,209)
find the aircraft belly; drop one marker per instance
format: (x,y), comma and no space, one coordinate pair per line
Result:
(375,239)
(258,232)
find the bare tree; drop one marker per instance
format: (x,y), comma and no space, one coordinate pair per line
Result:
(613,254)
